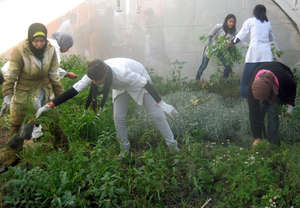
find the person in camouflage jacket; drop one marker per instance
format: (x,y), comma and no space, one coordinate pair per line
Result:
(33,75)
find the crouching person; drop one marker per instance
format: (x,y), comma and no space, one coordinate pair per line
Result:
(272,85)
(61,42)
(127,78)
(32,75)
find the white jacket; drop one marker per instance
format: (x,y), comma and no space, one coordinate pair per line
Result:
(261,36)
(54,43)
(128,76)
(4,69)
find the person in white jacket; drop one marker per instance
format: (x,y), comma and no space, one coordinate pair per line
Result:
(127,78)
(259,50)
(62,42)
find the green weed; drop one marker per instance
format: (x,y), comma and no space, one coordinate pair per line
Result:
(214,161)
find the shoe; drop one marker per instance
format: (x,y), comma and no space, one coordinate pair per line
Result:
(37,132)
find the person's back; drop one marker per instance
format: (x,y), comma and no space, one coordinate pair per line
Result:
(122,65)
(260,32)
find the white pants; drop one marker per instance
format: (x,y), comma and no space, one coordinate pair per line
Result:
(158,117)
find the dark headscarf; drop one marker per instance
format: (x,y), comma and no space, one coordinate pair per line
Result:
(64,40)
(225,27)
(37,30)
(260,12)
(98,70)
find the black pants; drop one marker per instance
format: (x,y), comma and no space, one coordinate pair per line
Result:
(247,73)
(205,60)
(257,112)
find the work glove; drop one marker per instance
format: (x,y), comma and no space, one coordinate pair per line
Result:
(289,109)
(37,132)
(41,110)
(168,109)
(6,103)
(62,73)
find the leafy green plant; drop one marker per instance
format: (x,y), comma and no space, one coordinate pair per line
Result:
(214,161)
(227,88)
(290,123)
(231,54)
(276,52)
(76,64)
(174,81)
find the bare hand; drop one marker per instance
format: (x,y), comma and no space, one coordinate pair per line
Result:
(51,104)
(256,142)
(71,75)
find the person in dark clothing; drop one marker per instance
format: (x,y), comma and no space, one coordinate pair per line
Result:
(272,84)
(229,30)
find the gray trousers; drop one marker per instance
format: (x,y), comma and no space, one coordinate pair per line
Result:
(158,117)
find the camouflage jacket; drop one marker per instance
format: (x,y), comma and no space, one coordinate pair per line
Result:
(27,75)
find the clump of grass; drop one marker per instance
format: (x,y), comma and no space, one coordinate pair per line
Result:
(91,174)
(227,88)
(203,113)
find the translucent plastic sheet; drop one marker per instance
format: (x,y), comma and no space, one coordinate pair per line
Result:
(158,32)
